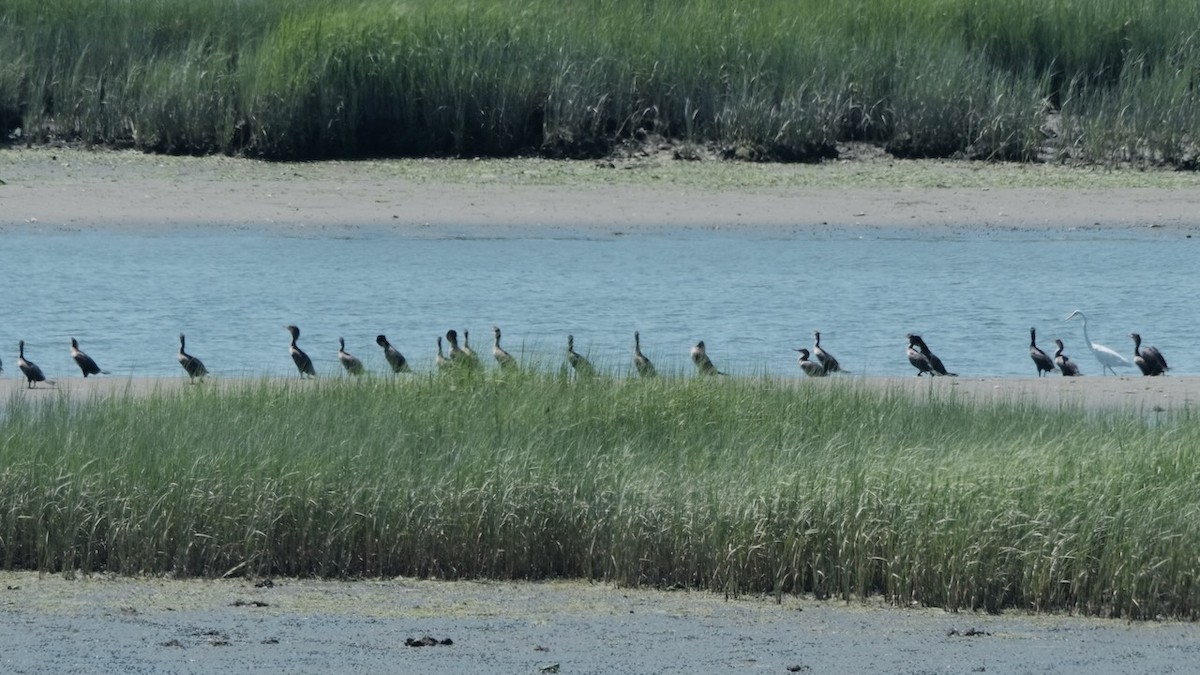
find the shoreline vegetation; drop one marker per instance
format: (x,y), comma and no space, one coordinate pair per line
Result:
(1109,83)
(738,485)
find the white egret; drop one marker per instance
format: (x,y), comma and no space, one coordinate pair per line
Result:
(1107,357)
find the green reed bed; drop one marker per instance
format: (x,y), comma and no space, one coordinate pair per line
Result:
(730,485)
(767,79)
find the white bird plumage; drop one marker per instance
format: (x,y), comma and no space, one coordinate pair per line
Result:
(1107,357)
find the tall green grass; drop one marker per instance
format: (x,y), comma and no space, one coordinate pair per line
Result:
(742,486)
(767,79)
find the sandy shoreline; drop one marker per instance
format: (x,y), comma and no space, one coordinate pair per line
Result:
(77,189)
(1131,393)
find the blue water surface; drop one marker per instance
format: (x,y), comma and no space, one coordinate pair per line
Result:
(752,296)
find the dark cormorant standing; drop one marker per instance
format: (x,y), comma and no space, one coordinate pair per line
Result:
(643,365)
(1044,363)
(1149,360)
(1065,365)
(824,358)
(303,363)
(29,368)
(704,365)
(85,362)
(394,358)
(506,360)
(918,358)
(810,368)
(582,367)
(349,362)
(192,365)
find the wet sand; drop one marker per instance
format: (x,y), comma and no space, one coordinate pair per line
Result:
(1096,393)
(77,189)
(100,624)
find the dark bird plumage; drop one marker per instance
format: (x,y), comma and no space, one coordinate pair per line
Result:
(644,367)
(303,363)
(393,356)
(1065,365)
(506,360)
(442,362)
(1149,360)
(191,365)
(580,364)
(934,364)
(823,357)
(86,364)
(917,358)
(1043,362)
(810,368)
(348,361)
(704,364)
(30,369)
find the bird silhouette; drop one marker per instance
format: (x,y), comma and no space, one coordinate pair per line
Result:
(348,361)
(303,363)
(506,360)
(580,364)
(1149,360)
(393,356)
(810,368)
(1065,365)
(643,365)
(85,362)
(30,369)
(704,364)
(824,358)
(1044,363)
(191,365)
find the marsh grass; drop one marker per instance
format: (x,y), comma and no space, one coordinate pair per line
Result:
(734,485)
(756,80)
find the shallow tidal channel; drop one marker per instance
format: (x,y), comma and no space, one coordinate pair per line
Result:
(751,295)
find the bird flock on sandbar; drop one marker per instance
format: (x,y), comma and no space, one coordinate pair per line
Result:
(816,362)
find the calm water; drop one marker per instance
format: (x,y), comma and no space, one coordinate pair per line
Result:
(751,296)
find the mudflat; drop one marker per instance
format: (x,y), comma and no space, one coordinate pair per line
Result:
(106,624)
